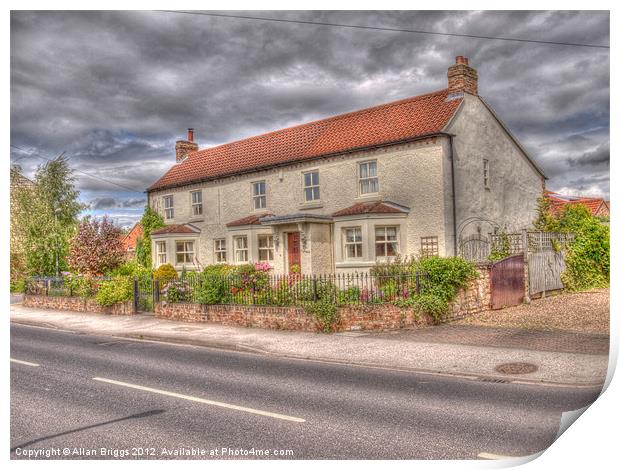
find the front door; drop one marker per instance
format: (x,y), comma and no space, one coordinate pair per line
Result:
(294,251)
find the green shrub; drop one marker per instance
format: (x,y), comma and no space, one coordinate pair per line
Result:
(305,289)
(116,290)
(18,286)
(351,295)
(79,285)
(165,272)
(212,289)
(399,269)
(445,276)
(131,268)
(326,314)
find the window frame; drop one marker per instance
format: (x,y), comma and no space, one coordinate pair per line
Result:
(168,197)
(269,248)
(486,173)
(357,243)
(313,186)
(368,179)
(184,252)
(385,242)
(194,204)
(218,251)
(256,197)
(162,256)
(245,249)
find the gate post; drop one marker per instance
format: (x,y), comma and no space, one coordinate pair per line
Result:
(136,293)
(526,262)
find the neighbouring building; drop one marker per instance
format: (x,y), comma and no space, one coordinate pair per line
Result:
(339,194)
(130,239)
(597,206)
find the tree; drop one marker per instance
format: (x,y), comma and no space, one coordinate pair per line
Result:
(46,216)
(545,222)
(150,221)
(96,248)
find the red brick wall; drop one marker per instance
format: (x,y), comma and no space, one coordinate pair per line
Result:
(77,304)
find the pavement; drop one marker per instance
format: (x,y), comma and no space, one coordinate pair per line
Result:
(575,360)
(91,396)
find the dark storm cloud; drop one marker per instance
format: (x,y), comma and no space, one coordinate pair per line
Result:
(103,203)
(116,89)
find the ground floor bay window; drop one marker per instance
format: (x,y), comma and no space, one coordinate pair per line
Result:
(240,244)
(184,252)
(265,248)
(386,242)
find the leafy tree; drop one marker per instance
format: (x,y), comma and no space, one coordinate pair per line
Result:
(150,221)
(544,222)
(46,216)
(96,248)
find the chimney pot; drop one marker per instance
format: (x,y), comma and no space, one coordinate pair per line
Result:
(462,60)
(190,134)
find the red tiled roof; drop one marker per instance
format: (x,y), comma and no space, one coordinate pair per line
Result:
(370,208)
(557,202)
(249,220)
(380,125)
(130,239)
(174,228)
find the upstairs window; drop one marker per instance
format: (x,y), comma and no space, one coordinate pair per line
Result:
(196,197)
(259,194)
(369,182)
(185,252)
(486,175)
(386,242)
(311,186)
(220,250)
(265,248)
(168,207)
(353,242)
(241,249)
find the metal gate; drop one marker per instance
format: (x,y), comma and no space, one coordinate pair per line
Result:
(507,284)
(545,269)
(144,294)
(474,247)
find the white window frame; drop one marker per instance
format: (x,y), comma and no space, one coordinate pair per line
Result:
(357,243)
(314,187)
(185,252)
(265,249)
(219,249)
(239,250)
(486,173)
(385,242)
(368,179)
(162,256)
(259,200)
(196,204)
(168,209)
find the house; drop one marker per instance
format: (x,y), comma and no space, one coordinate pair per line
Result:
(339,194)
(598,207)
(130,239)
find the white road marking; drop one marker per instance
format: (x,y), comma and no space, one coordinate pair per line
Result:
(202,400)
(25,363)
(489,456)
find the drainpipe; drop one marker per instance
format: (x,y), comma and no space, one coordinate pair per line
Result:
(450,137)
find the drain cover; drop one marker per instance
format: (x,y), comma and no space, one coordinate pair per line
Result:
(514,368)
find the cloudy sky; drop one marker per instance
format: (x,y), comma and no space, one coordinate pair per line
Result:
(114,90)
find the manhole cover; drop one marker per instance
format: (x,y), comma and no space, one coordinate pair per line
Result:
(515,368)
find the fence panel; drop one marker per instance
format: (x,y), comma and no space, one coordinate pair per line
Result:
(545,270)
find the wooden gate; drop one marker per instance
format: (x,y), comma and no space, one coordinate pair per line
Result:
(507,283)
(545,268)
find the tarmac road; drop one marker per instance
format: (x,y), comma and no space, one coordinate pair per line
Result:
(138,399)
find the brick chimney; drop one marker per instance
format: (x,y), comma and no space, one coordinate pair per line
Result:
(462,78)
(185,147)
